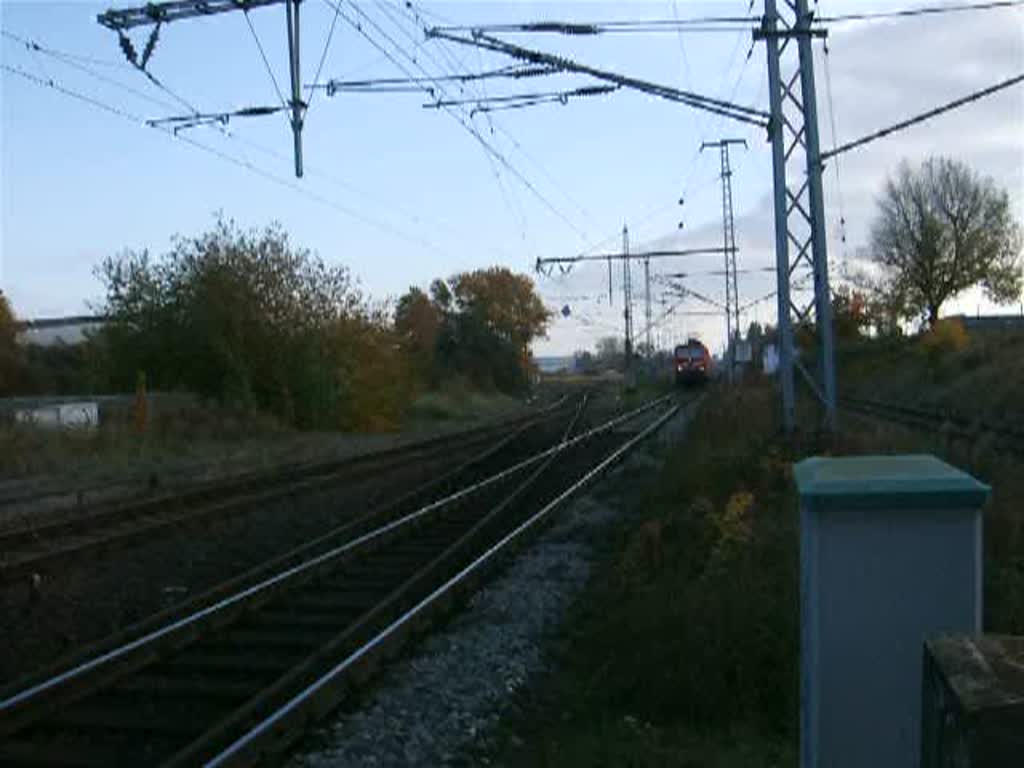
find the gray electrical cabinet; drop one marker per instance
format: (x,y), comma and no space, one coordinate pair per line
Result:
(890,556)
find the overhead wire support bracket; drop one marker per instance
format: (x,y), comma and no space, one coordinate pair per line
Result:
(174,10)
(663,254)
(759,33)
(410,84)
(160,13)
(178,123)
(718,106)
(517,101)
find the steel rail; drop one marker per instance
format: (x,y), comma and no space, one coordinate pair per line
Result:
(297,468)
(483,530)
(27,695)
(106,527)
(238,751)
(362,523)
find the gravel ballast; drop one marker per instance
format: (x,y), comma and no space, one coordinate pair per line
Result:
(441,703)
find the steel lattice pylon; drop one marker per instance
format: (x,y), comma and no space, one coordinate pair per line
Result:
(627,296)
(732,296)
(799,215)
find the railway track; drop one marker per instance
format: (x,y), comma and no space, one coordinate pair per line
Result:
(237,679)
(946,423)
(31,548)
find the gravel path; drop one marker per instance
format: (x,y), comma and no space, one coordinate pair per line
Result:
(439,703)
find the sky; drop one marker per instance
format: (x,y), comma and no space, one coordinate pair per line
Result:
(401,194)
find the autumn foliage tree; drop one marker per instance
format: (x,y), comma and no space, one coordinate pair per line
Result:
(850,317)
(418,322)
(477,325)
(940,230)
(10,357)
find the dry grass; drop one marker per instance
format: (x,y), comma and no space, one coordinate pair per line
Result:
(683,651)
(982,375)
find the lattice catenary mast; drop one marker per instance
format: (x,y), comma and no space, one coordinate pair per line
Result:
(799,208)
(732,296)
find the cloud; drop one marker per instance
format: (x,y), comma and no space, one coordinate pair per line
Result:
(880,73)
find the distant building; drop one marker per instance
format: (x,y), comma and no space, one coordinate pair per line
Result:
(52,331)
(991,323)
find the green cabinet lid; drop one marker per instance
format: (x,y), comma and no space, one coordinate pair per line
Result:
(916,481)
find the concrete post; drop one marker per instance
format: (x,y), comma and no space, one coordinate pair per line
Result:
(890,555)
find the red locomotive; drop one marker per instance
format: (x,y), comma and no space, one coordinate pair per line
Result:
(692,363)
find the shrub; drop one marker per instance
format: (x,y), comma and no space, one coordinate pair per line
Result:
(249,320)
(947,336)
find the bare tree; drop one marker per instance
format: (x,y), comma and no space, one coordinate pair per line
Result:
(940,230)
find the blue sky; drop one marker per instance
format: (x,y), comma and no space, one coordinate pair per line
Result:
(402,194)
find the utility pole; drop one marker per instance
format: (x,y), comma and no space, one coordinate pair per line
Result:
(609,280)
(647,305)
(799,210)
(297,104)
(156,14)
(627,297)
(732,297)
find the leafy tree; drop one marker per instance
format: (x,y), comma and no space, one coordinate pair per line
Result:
(487,319)
(11,362)
(611,352)
(504,301)
(240,316)
(755,333)
(609,347)
(584,361)
(418,322)
(850,317)
(940,230)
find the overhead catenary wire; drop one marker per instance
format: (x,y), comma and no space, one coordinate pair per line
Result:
(244,164)
(947,107)
(455,67)
(705,24)
(837,163)
(466,121)
(323,59)
(452,67)
(457,116)
(263,56)
(935,10)
(449,52)
(72,61)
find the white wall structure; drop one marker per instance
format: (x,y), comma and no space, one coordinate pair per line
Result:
(83,415)
(890,555)
(770,359)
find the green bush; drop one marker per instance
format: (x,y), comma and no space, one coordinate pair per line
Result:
(247,319)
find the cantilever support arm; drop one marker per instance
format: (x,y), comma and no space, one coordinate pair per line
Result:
(174,10)
(696,100)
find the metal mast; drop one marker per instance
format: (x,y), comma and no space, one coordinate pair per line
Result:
(627,296)
(647,306)
(158,13)
(296,103)
(799,212)
(732,296)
